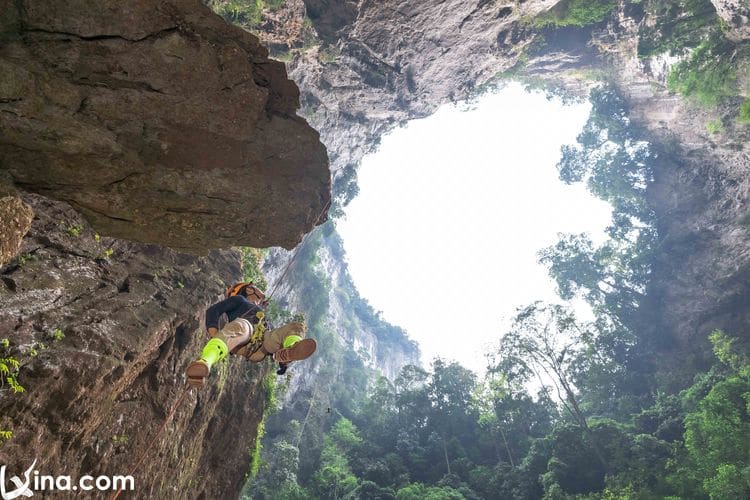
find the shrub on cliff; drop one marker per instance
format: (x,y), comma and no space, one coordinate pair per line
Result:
(708,75)
(577,13)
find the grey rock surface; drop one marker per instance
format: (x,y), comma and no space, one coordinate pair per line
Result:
(159,122)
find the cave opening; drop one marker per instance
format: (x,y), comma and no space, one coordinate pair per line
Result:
(453,209)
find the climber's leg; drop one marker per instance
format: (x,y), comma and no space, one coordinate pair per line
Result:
(232,337)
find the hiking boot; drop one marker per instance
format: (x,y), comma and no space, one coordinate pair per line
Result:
(299,351)
(196,372)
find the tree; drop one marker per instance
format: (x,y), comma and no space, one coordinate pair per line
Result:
(609,157)
(544,342)
(611,277)
(617,167)
(368,490)
(278,473)
(412,399)
(334,478)
(419,491)
(716,457)
(510,418)
(450,393)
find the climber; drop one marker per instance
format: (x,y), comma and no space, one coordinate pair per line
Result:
(247,334)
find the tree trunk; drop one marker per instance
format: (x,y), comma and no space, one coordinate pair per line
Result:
(507,448)
(584,425)
(445,451)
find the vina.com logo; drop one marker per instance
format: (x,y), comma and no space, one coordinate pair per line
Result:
(35,482)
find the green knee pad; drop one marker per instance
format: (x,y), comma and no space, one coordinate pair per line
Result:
(215,351)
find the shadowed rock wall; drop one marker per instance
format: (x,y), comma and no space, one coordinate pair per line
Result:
(103,330)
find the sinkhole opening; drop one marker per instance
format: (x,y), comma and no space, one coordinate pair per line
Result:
(452,211)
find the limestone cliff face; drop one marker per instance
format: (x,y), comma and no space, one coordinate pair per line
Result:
(379,345)
(700,194)
(103,330)
(397,61)
(736,15)
(159,122)
(386,355)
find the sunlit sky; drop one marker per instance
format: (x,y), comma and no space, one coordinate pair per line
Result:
(443,237)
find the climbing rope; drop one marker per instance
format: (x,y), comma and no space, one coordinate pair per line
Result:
(138,464)
(296,251)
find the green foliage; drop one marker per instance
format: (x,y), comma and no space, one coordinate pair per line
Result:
(617,167)
(344,190)
(442,435)
(419,491)
(120,440)
(5,436)
(578,13)
(716,454)
(255,454)
(675,26)
(75,230)
(285,56)
(334,478)
(345,435)
(610,157)
(57,335)
(722,413)
(244,12)
(314,283)
(728,351)
(715,126)
(272,405)
(29,258)
(708,75)
(9,367)
(35,348)
(744,116)
(269,385)
(251,259)
(277,314)
(278,476)
(728,482)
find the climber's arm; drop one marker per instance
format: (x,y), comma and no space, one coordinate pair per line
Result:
(214,312)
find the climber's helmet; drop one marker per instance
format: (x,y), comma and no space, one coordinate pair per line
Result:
(254,294)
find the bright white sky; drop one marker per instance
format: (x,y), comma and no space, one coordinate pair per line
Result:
(452,211)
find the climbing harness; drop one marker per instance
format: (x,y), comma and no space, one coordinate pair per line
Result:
(256,339)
